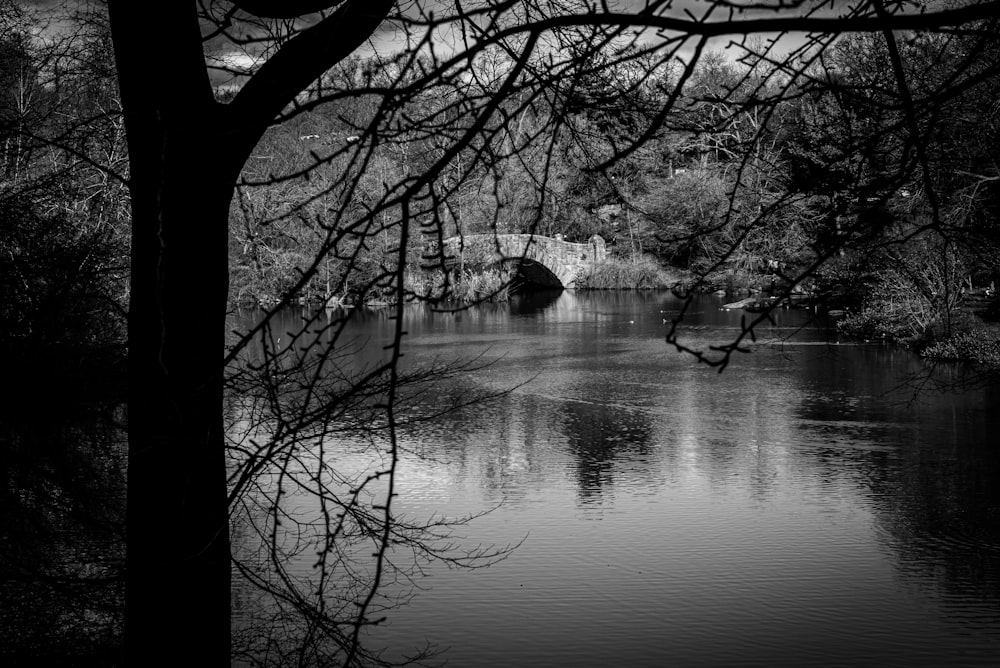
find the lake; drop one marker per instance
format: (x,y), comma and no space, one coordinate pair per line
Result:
(820,502)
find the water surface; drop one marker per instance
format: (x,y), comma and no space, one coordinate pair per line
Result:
(808,506)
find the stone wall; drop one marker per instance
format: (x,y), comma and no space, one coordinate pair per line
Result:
(559,262)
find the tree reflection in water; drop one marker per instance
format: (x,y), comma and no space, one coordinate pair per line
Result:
(936,500)
(320,555)
(598,435)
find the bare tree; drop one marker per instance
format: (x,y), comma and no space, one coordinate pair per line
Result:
(475,91)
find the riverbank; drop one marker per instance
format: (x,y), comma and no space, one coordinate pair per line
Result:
(638,274)
(969,333)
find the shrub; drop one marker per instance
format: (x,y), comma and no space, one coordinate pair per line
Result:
(642,274)
(60,284)
(877,322)
(491,284)
(978,345)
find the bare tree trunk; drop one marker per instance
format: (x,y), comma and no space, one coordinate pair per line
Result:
(178,562)
(178,567)
(185,152)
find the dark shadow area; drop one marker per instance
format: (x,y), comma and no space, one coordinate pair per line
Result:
(931,470)
(533,300)
(63,462)
(599,436)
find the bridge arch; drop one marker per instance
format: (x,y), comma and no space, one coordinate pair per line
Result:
(541,260)
(537,273)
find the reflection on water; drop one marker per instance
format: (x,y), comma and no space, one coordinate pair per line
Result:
(805,507)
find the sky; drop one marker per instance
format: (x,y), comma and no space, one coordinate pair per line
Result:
(390,40)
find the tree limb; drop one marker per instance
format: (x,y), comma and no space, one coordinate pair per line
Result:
(305,58)
(284,9)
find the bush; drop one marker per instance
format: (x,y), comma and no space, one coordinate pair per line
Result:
(683,216)
(876,322)
(979,345)
(59,284)
(491,284)
(642,274)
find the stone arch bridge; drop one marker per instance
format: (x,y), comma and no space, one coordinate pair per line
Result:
(544,261)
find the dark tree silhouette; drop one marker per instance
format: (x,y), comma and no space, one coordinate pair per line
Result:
(186,151)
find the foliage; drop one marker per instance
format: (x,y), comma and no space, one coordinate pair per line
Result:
(755,173)
(477,286)
(640,274)
(55,280)
(63,246)
(981,345)
(685,215)
(912,291)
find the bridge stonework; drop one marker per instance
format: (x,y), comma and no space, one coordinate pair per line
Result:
(542,260)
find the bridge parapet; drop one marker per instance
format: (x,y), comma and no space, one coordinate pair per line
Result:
(561,261)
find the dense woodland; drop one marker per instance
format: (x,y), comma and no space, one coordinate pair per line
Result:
(855,169)
(753,176)
(63,201)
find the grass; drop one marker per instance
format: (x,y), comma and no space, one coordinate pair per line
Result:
(616,274)
(490,284)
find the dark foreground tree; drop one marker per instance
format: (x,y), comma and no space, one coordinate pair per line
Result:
(186,152)
(482,90)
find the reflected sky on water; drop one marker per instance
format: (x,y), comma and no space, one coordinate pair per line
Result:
(805,507)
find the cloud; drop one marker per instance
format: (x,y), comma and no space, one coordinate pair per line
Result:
(238,61)
(404,30)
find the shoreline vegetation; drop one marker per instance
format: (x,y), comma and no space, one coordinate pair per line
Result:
(972,334)
(494,283)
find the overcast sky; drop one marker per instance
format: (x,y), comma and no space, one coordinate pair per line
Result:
(389,39)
